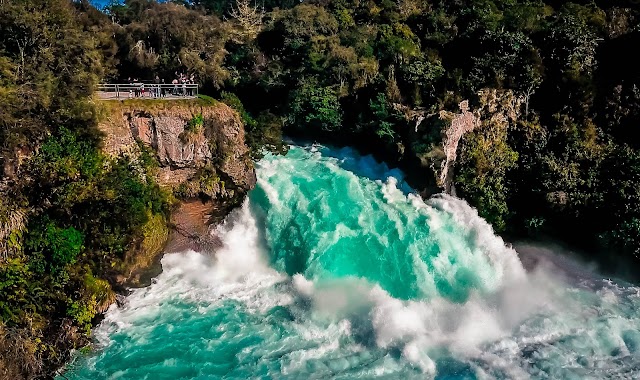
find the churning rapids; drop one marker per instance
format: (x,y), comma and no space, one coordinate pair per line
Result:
(334,269)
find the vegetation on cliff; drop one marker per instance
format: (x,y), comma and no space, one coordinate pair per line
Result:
(68,214)
(553,151)
(75,222)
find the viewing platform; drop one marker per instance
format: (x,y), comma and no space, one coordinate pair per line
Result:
(150,91)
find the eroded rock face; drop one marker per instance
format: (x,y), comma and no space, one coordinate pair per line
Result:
(183,147)
(164,135)
(202,154)
(461,123)
(496,110)
(190,228)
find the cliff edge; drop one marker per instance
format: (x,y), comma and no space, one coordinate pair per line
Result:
(199,155)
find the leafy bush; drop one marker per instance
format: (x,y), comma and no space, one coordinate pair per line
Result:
(14,286)
(193,127)
(315,108)
(58,246)
(89,210)
(234,102)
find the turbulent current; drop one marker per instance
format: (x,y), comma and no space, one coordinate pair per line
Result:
(334,269)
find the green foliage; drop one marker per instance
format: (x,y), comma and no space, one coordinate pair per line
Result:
(82,313)
(574,44)
(263,133)
(508,61)
(234,102)
(15,280)
(397,42)
(57,246)
(482,178)
(99,290)
(362,71)
(48,69)
(154,40)
(423,71)
(89,211)
(206,99)
(315,108)
(193,126)
(383,118)
(223,7)
(303,23)
(625,236)
(76,179)
(67,163)
(196,122)
(346,71)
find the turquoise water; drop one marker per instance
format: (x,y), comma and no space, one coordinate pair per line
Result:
(333,269)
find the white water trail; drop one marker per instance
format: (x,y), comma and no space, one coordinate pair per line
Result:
(237,271)
(421,327)
(514,324)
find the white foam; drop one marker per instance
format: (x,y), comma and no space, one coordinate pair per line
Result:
(238,271)
(492,327)
(419,326)
(242,252)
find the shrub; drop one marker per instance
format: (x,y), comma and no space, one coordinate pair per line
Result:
(57,246)
(316,108)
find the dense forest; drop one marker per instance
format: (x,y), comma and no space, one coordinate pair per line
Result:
(551,83)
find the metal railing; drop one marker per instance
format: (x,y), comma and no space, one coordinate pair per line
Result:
(147,91)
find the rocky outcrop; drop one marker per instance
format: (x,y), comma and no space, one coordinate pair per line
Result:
(185,139)
(494,112)
(163,133)
(190,228)
(202,157)
(460,124)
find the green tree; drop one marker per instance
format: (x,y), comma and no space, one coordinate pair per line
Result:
(316,108)
(154,40)
(57,246)
(48,70)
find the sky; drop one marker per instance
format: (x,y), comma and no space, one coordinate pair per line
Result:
(99,3)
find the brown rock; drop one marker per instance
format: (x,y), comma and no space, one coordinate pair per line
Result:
(220,142)
(191,140)
(191,228)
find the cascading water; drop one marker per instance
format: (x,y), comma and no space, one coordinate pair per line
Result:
(334,269)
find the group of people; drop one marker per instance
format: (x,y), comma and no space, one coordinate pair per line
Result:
(160,89)
(181,80)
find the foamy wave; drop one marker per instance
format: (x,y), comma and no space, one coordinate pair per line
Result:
(420,328)
(380,284)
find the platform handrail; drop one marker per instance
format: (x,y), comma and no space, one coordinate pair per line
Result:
(147,90)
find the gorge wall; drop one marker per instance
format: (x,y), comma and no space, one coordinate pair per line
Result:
(201,157)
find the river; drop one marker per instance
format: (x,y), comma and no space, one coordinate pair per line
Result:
(334,269)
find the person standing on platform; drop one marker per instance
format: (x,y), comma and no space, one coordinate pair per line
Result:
(175,86)
(156,87)
(136,87)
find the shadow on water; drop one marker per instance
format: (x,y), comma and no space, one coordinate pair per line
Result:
(575,265)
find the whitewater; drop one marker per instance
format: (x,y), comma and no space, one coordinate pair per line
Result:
(334,268)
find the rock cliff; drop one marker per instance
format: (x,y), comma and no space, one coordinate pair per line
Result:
(202,157)
(186,138)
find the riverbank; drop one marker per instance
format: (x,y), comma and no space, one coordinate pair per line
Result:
(93,215)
